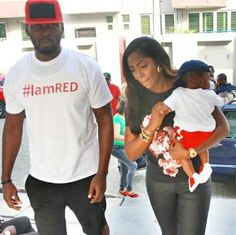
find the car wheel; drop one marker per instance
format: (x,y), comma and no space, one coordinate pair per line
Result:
(2,110)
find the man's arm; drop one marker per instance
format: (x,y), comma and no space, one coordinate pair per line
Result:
(105,135)
(12,133)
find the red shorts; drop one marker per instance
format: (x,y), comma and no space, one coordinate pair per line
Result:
(191,139)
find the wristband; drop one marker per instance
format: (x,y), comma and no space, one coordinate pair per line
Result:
(6,182)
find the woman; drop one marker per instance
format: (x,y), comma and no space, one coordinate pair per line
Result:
(127,168)
(150,79)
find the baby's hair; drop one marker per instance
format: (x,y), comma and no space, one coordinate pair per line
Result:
(181,81)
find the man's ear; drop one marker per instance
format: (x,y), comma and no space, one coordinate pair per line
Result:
(62,28)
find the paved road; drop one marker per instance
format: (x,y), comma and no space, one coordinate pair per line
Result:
(130,215)
(220,190)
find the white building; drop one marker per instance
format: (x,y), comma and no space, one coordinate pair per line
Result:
(201,29)
(188,29)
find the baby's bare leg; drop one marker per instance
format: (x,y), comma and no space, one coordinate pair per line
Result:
(187,166)
(204,156)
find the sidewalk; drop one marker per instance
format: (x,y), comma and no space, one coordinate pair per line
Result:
(134,215)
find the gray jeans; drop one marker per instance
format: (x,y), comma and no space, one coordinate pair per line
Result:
(178,211)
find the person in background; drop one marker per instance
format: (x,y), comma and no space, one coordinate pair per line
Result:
(17,226)
(225,90)
(127,167)
(150,79)
(222,84)
(115,91)
(66,102)
(212,77)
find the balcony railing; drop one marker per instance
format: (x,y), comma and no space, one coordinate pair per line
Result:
(198,3)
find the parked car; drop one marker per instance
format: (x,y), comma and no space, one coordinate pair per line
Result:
(223,155)
(2,99)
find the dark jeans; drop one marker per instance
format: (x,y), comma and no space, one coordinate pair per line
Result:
(127,168)
(22,225)
(49,201)
(178,211)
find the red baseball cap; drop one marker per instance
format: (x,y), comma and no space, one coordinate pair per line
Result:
(42,12)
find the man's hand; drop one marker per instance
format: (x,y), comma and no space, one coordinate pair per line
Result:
(10,195)
(97,188)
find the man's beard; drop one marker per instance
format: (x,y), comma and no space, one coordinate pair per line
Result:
(47,50)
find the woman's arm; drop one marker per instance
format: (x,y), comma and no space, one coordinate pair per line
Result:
(136,146)
(221,131)
(177,151)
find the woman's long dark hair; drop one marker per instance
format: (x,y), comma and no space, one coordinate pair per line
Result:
(147,47)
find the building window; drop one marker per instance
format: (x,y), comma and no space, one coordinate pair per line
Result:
(110,22)
(169,23)
(125,18)
(85,33)
(194,22)
(207,22)
(145,25)
(222,20)
(125,21)
(233,21)
(3,34)
(24,35)
(110,27)
(126,26)
(109,19)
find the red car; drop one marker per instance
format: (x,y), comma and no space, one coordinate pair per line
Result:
(2,99)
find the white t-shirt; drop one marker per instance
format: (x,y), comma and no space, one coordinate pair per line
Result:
(57,97)
(193,108)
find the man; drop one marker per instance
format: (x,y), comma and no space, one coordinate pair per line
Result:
(225,90)
(115,91)
(223,85)
(66,102)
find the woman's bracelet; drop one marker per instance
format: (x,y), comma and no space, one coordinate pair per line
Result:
(6,181)
(145,138)
(148,133)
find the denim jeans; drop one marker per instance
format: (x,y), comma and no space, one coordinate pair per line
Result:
(178,211)
(127,167)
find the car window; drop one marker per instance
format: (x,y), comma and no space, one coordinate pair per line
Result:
(231,117)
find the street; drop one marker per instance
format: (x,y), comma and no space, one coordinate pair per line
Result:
(127,214)
(220,190)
